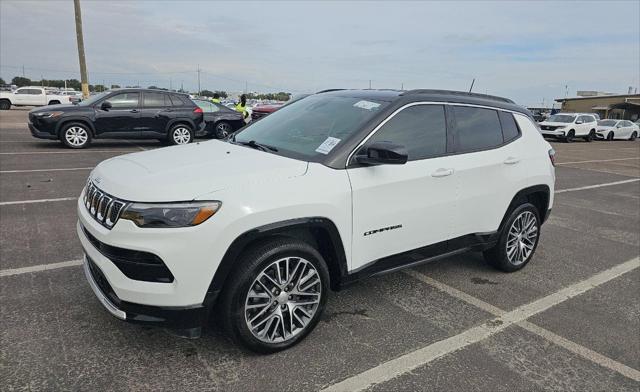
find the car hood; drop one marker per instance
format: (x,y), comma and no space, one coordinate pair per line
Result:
(554,124)
(67,108)
(602,128)
(184,173)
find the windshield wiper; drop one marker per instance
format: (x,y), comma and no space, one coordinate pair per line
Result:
(257,146)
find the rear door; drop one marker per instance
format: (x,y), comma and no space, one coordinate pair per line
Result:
(122,119)
(399,208)
(488,166)
(155,113)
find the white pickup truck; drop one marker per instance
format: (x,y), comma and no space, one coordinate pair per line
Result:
(31,96)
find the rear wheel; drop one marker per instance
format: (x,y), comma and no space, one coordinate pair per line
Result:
(633,136)
(276,295)
(180,134)
(54,102)
(75,135)
(223,129)
(610,136)
(590,136)
(518,240)
(570,135)
(5,104)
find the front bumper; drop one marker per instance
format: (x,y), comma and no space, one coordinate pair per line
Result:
(171,317)
(553,134)
(35,132)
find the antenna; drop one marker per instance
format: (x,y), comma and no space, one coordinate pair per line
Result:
(472,83)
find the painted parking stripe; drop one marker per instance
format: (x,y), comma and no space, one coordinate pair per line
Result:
(61,152)
(596,161)
(38,268)
(533,328)
(44,170)
(597,186)
(10,203)
(408,362)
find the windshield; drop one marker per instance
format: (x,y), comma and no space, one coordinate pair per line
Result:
(607,123)
(93,99)
(561,118)
(311,127)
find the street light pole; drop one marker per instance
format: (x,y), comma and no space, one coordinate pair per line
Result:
(83,64)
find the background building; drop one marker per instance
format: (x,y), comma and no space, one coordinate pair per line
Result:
(622,106)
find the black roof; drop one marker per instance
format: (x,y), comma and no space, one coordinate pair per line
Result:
(431,95)
(153,90)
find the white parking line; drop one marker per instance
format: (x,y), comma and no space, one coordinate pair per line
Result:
(596,161)
(597,186)
(44,170)
(10,203)
(61,152)
(542,332)
(408,362)
(41,267)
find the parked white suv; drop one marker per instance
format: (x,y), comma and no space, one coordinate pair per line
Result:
(568,126)
(331,189)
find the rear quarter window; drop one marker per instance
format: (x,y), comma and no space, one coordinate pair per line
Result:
(510,129)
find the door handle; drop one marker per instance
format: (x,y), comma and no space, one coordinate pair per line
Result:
(442,173)
(511,161)
(134,111)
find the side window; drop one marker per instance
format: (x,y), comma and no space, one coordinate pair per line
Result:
(34,91)
(420,128)
(510,130)
(477,128)
(176,101)
(124,100)
(153,100)
(627,123)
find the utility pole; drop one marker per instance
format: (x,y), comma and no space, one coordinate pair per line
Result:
(198,79)
(245,87)
(472,83)
(83,64)
(369,84)
(402,86)
(23,70)
(170,85)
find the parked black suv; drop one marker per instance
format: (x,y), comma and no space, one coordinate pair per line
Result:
(120,114)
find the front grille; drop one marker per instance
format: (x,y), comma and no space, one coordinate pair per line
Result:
(548,127)
(104,208)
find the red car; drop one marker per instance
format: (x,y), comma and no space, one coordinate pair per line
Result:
(259,111)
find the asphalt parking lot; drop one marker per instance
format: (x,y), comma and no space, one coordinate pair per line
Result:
(569,321)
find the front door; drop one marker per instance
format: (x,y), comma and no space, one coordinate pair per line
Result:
(398,208)
(122,119)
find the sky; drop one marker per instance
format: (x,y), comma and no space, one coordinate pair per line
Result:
(529,51)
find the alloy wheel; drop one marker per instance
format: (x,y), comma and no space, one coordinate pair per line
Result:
(522,238)
(76,136)
(282,300)
(181,135)
(223,130)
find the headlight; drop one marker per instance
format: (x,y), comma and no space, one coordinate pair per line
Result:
(170,214)
(561,127)
(49,114)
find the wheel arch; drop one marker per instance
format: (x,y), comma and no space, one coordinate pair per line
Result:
(538,195)
(176,121)
(319,232)
(81,120)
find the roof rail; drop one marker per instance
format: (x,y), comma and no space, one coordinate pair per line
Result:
(330,90)
(460,93)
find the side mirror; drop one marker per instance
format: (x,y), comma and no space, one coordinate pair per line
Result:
(579,122)
(382,153)
(106,105)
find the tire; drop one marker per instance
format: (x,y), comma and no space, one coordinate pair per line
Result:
(5,104)
(633,136)
(180,134)
(524,219)
(222,130)
(54,103)
(589,138)
(75,135)
(243,290)
(610,136)
(570,136)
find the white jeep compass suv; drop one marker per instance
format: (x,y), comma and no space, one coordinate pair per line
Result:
(344,184)
(568,126)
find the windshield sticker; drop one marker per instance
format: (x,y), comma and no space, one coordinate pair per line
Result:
(366,105)
(328,145)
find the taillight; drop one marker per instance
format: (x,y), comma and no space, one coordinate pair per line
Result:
(197,110)
(552,156)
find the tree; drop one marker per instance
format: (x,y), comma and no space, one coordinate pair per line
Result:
(99,88)
(2,81)
(222,94)
(115,86)
(206,93)
(20,81)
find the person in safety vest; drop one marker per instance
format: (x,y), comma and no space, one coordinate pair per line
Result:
(242,106)
(216,98)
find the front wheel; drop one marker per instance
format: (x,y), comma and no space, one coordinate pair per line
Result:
(590,136)
(570,136)
(518,240)
(276,295)
(180,134)
(223,130)
(610,136)
(5,104)
(75,135)
(633,136)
